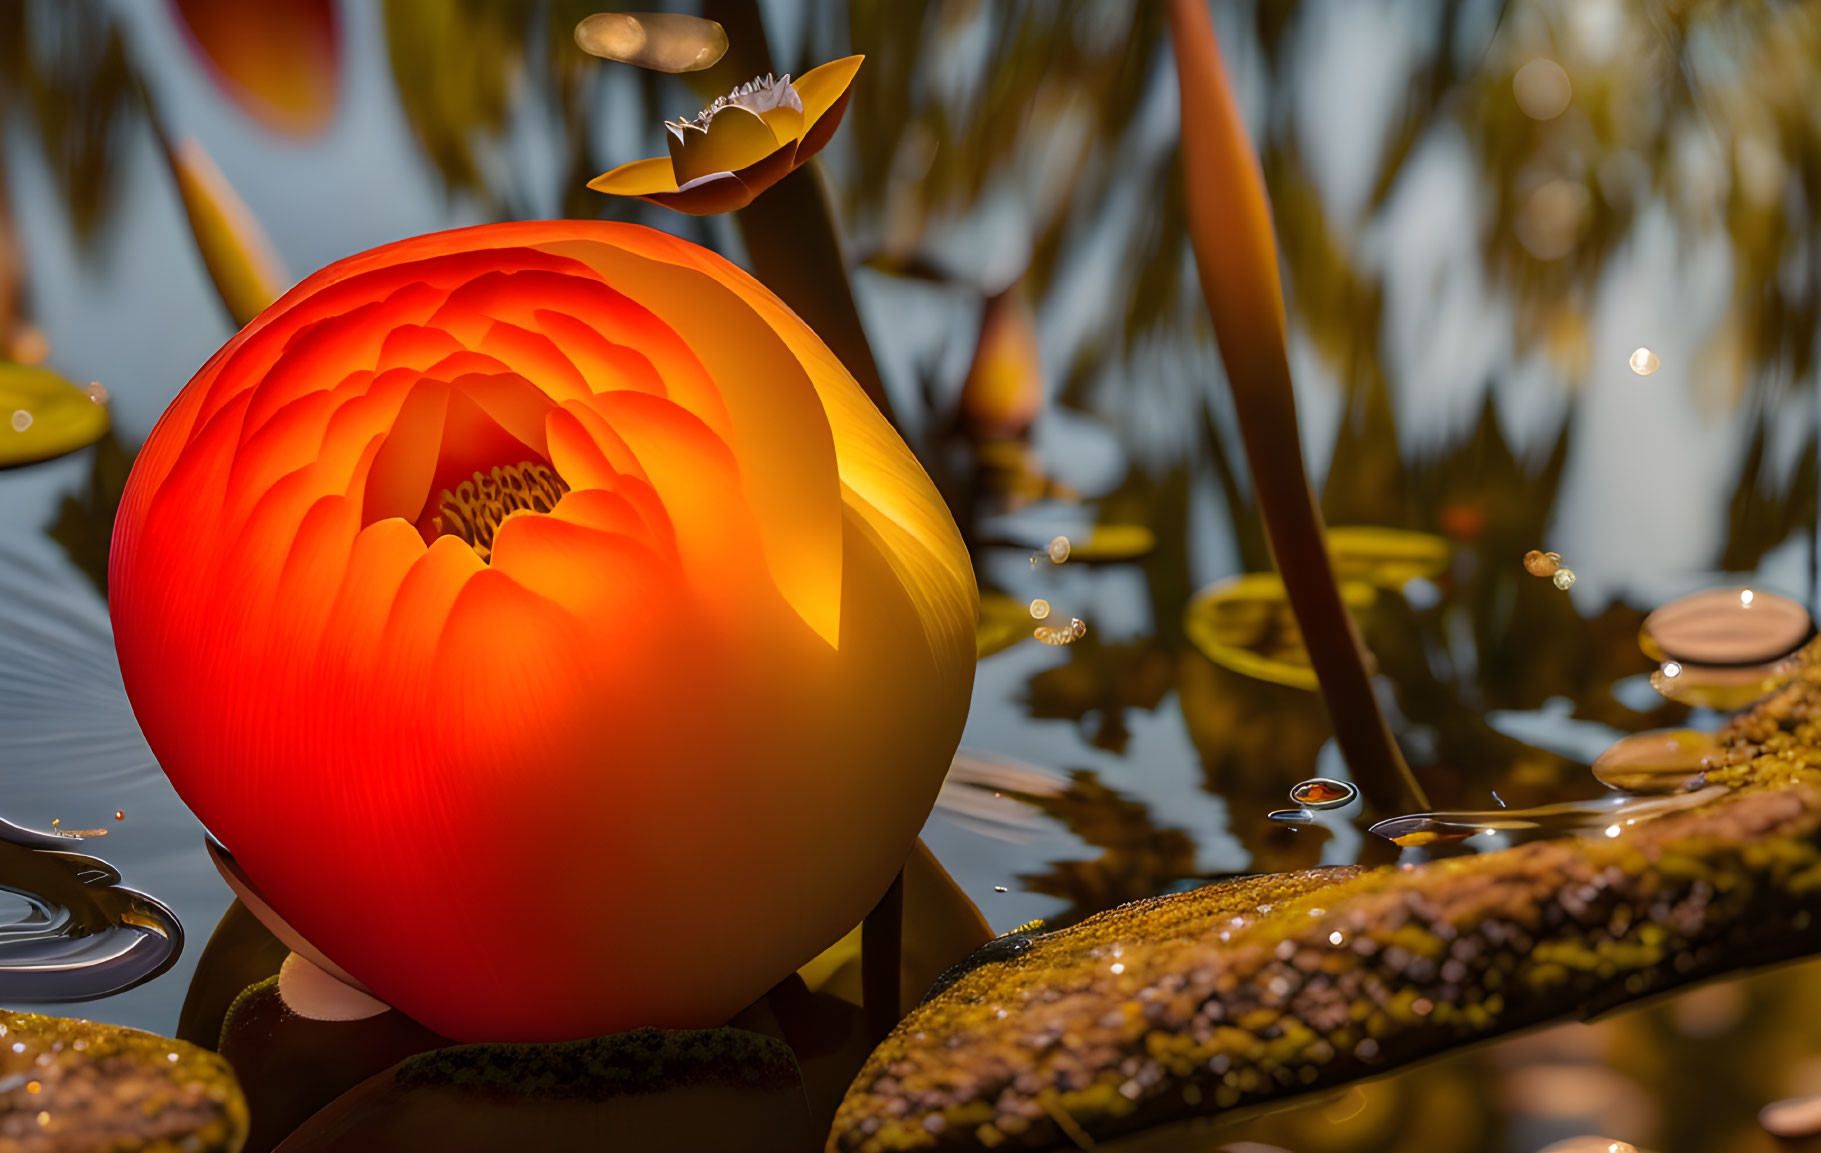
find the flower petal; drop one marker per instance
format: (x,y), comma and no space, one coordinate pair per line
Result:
(822,88)
(734,138)
(638,178)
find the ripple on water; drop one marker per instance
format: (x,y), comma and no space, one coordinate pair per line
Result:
(68,931)
(1602,816)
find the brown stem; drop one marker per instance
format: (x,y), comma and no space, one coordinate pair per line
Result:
(881,953)
(1230,227)
(790,231)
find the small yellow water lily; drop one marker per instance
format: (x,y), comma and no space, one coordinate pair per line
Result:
(741,144)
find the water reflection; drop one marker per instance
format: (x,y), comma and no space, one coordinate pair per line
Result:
(71,932)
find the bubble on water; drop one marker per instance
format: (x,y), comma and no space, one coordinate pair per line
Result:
(1563,579)
(1323,793)
(1663,761)
(1040,608)
(1644,362)
(1541,564)
(1058,550)
(22,420)
(1726,627)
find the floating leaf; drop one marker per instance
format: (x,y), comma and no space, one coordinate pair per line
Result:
(1386,557)
(43,416)
(660,41)
(1245,624)
(1004,621)
(246,271)
(1111,543)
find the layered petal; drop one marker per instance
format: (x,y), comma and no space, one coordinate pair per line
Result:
(558,534)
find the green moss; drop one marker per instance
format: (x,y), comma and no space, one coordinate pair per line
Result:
(1264,986)
(599,1068)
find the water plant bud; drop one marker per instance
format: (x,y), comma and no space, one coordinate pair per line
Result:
(707,606)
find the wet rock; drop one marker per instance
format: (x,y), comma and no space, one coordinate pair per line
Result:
(291,1064)
(647,1091)
(73,1086)
(1231,995)
(241,952)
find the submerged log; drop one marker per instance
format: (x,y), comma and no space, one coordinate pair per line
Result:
(1205,1002)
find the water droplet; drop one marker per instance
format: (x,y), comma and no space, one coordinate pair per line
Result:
(1058,550)
(120,814)
(1563,579)
(1336,937)
(1655,762)
(22,420)
(1078,628)
(1290,816)
(1644,362)
(1323,793)
(1541,564)
(1040,608)
(1725,627)
(96,392)
(1612,830)
(1722,687)
(1000,889)
(1118,967)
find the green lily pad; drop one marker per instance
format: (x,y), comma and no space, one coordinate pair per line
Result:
(43,416)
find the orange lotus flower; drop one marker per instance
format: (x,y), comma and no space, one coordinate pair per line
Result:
(740,145)
(548,625)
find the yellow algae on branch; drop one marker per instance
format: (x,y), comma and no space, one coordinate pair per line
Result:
(1200,1003)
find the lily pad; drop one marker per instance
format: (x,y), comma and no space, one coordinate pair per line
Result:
(1004,622)
(1387,557)
(44,416)
(1245,624)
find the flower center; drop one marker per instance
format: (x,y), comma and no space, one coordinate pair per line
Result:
(756,96)
(475,508)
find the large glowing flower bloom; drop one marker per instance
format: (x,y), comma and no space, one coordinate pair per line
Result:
(549,626)
(740,145)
